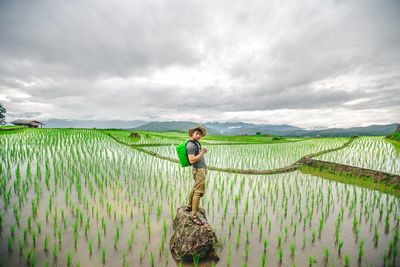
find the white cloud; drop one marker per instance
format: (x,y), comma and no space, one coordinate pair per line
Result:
(312,64)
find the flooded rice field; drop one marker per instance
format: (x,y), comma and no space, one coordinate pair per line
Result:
(78,198)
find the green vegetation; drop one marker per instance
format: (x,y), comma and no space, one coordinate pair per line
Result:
(173,138)
(394,136)
(122,135)
(82,198)
(6,130)
(365,182)
(370,152)
(278,155)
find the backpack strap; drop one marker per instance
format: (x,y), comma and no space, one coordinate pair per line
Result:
(198,146)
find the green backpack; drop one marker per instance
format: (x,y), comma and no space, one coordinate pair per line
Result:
(182,153)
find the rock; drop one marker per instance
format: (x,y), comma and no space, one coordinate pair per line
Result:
(190,239)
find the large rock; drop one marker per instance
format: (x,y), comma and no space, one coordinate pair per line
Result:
(190,239)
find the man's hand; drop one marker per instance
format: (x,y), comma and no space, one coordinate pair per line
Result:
(193,158)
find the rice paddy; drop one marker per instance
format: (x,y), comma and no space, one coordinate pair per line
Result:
(74,197)
(263,156)
(374,153)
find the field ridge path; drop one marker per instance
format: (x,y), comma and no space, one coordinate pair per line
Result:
(290,168)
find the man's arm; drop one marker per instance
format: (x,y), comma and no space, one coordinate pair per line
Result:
(194,159)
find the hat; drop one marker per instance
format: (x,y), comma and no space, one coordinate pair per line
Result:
(199,127)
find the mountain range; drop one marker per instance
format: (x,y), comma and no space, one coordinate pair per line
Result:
(242,128)
(222,128)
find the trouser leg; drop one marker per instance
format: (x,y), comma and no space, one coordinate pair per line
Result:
(197,192)
(196,203)
(191,197)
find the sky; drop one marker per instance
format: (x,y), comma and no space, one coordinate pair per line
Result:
(312,64)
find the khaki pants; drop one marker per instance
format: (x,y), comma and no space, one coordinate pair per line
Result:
(199,187)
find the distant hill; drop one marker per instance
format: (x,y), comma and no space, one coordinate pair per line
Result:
(172,126)
(119,124)
(221,128)
(241,128)
(368,130)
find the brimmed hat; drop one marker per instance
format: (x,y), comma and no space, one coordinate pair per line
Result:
(199,127)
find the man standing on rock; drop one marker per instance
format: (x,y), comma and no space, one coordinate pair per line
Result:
(196,159)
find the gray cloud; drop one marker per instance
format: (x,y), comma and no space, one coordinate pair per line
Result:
(204,61)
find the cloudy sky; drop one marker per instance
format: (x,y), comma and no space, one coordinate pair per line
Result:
(306,63)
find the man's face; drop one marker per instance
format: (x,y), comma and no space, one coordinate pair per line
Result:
(197,135)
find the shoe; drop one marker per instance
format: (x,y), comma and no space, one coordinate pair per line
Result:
(188,208)
(196,220)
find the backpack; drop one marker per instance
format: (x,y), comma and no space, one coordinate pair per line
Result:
(182,152)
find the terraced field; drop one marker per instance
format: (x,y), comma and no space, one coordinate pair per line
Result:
(258,156)
(374,153)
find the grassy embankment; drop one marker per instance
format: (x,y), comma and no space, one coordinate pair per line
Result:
(394,138)
(11,129)
(174,138)
(349,178)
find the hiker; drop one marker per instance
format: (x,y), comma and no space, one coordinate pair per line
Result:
(196,159)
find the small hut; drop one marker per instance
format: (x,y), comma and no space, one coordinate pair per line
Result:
(398,127)
(28,123)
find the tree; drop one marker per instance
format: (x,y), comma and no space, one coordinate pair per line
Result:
(3,111)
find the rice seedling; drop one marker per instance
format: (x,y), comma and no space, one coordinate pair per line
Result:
(263,260)
(103,255)
(340,245)
(55,251)
(292,249)
(280,255)
(265,245)
(279,241)
(385,258)
(46,244)
(312,260)
(313,234)
(90,247)
(346,260)
(246,251)
(34,238)
(116,236)
(196,259)
(60,236)
(360,250)
(152,259)
(99,238)
(21,247)
(10,243)
(326,254)
(39,227)
(237,240)
(69,258)
(12,230)
(124,263)
(30,257)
